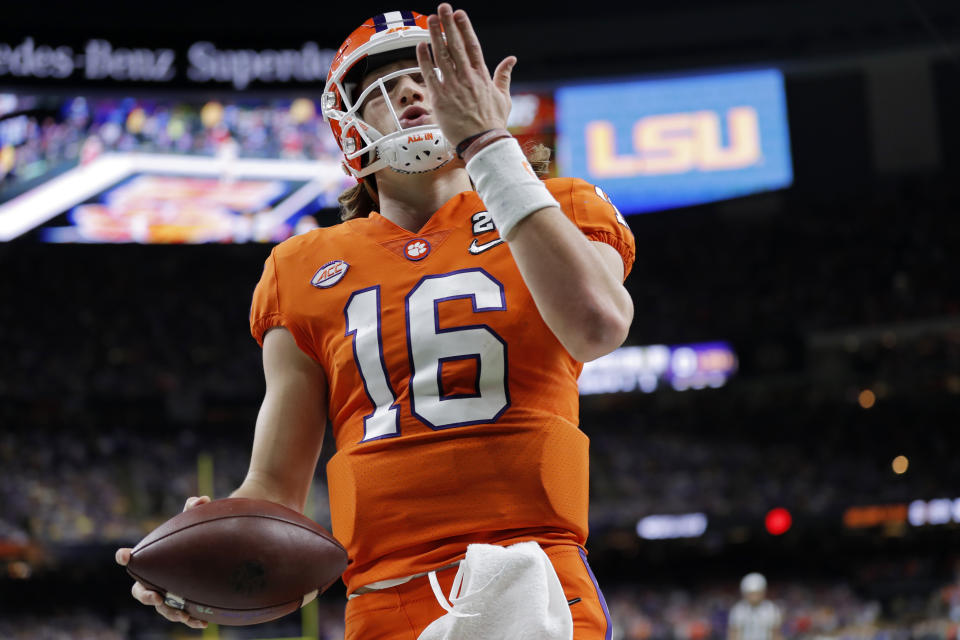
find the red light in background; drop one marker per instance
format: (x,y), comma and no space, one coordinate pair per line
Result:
(778,521)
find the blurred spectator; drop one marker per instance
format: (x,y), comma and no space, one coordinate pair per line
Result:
(51,134)
(812,611)
(754,617)
(122,365)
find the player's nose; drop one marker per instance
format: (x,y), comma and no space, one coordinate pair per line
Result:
(409,91)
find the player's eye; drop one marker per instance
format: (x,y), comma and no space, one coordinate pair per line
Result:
(390,84)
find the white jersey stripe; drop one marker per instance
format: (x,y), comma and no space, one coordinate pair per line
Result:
(394,19)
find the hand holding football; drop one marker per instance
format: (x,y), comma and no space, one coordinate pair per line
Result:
(238,561)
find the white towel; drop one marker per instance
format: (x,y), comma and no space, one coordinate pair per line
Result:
(503,592)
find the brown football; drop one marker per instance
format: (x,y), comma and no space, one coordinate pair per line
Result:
(238,561)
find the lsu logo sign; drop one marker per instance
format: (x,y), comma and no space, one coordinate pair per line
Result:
(674,142)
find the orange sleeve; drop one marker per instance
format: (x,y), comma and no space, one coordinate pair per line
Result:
(592,211)
(266,311)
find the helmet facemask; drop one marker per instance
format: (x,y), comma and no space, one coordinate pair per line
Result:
(389,37)
(417,149)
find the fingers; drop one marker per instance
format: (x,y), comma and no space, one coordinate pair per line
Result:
(145,596)
(154,599)
(195,501)
(501,76)
(122,556)
(426,67)
(150,597)
(175,615)
(440,54)
(454,38)
(193,623)
(470,42)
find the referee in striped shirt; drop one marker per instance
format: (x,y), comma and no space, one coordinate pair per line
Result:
(754,617)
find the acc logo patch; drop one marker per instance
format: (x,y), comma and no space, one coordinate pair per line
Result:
(416,249)
(329,274)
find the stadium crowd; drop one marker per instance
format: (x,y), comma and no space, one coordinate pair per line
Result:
(114,383)
(112,475)
(48,134)
(650,612)
(155,318)
(812,263)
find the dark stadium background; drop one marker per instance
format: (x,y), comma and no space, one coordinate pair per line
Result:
(120,365)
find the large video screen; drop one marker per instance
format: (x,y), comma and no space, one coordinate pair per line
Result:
(664,143)
(169,170)
(180,170)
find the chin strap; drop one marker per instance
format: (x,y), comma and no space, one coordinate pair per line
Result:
(419,149)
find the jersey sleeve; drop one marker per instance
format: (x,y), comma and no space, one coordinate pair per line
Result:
(266,311)
(596,216)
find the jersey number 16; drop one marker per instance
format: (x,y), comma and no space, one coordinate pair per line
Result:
(428,348)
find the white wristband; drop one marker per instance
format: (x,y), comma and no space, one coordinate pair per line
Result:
(507,184)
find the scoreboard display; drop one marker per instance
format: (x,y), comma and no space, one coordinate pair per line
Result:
(243,168)
(673,142)
(130,165)
(164,169)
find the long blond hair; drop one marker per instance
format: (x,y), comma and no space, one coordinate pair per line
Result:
(359,200)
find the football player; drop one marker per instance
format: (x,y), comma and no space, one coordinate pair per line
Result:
(441,328)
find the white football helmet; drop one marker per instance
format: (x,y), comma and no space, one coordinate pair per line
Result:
(379,41)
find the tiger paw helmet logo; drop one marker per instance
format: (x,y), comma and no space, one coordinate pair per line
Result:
(416,249)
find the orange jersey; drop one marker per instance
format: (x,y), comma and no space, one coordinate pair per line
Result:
(453,405)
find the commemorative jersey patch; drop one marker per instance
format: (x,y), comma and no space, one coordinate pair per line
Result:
(416,249)
(329,274)
(482,223)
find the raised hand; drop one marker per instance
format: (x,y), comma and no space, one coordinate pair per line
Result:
(467,100)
